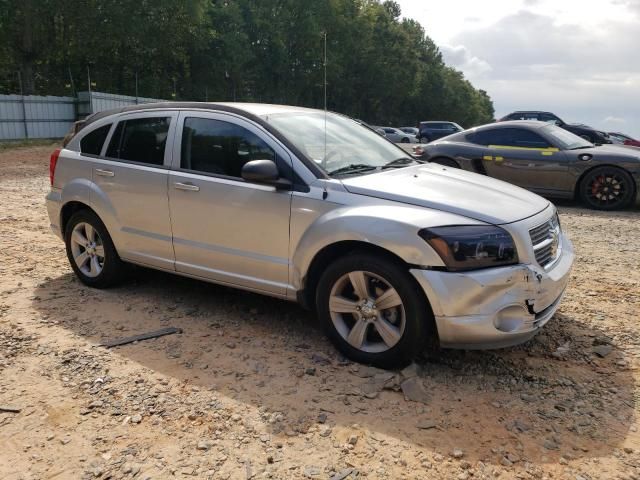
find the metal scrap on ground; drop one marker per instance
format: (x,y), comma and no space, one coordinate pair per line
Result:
(142,336)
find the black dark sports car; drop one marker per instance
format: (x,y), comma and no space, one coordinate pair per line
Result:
(585,131)
(546,159)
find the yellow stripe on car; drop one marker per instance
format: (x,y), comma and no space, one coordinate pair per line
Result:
(539,149)
(487,157)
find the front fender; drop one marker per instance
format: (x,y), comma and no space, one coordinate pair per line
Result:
(394,228)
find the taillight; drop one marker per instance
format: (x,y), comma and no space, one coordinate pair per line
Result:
(52,164)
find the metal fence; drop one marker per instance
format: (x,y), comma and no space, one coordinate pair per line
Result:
(33,116)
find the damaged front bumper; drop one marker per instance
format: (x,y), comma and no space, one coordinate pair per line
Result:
(496,307)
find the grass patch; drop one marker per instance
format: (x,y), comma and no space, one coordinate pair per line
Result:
(36,142)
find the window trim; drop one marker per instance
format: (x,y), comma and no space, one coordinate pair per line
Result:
(280,151)
(168,149)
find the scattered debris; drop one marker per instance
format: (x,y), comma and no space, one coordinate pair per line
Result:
(7,409)
(413,389)
(142,336)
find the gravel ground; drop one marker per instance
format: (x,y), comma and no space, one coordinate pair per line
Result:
(251,388)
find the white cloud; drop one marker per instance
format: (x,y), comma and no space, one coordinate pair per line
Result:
(615,120)
(574,58)
(460,58)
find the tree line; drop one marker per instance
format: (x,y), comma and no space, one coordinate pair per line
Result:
(380,67)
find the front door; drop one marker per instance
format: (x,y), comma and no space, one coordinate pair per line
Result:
(524,158)
(225,228)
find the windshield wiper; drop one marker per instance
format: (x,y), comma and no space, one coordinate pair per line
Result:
(399,163)
(353,168)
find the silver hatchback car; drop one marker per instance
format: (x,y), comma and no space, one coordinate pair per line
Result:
(311,207)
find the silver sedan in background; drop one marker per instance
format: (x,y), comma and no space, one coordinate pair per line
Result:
(398,136)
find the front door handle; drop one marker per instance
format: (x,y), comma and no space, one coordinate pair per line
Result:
(190,187)
(104,173)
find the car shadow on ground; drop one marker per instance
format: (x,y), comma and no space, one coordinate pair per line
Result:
(547,398)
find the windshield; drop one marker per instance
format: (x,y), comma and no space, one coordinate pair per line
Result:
(565,139)
(348,144)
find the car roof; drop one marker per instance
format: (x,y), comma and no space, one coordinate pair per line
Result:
(437,121)
(513,123)
(530,111)
(254,109)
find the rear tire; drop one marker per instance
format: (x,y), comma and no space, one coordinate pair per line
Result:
(424,140)
(91,252)
(404,140)
(388,328)
(607,188)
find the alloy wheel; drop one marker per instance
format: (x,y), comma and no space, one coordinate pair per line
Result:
(607,190)
(87,249)
(367,311)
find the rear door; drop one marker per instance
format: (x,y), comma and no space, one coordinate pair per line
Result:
(131,175)
(225,228)
(524,158)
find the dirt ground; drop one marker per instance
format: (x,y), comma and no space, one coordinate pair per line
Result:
(252,389)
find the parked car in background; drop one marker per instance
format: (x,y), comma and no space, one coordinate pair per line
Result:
(398,136)
(625,139)
(311,207)
(546,159)
(432,130)
(410,130)
(588,133)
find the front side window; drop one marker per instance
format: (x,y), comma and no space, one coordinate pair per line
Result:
(221,148)
(140,140)
(92,142)
(510,137)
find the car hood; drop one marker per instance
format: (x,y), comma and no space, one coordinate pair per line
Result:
(602,152)
(450,190)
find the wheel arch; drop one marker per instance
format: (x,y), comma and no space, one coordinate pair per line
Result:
(333,251)
(449,161)
(69,209)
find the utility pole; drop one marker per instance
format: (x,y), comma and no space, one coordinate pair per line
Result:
(24,108)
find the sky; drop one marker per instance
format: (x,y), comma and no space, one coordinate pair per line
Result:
(576,58)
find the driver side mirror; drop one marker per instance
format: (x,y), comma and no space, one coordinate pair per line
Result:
(265,172)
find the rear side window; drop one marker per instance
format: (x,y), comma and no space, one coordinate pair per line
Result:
(91,143)
(221,148)
(140,140)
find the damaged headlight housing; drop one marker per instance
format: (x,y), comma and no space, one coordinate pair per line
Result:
(470,247)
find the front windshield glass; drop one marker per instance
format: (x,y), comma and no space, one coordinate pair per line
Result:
(565,139)
(350,147)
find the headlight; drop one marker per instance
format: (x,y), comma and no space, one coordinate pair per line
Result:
(469,247)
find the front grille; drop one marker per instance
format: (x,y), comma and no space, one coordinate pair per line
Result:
(546,242)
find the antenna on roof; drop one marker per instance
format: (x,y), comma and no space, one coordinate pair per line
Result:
(325,97)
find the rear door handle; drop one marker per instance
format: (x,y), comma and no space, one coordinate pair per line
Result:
(190,187)
(104,173)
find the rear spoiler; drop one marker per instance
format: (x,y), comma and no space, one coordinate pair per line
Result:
(75,128)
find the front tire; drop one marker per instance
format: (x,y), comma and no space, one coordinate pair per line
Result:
(607,188)
(91,252)
(373,311)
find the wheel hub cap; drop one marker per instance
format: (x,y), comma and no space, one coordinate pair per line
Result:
(368,309)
